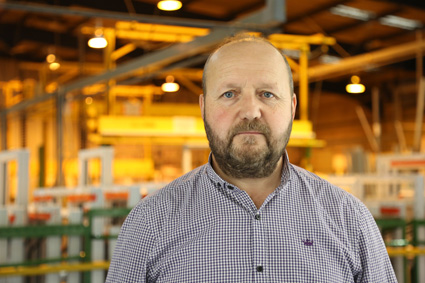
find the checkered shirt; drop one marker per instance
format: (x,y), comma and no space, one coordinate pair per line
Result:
(200,228)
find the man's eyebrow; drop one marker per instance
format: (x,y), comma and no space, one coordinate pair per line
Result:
(267,86)
(260,86)
(229,85)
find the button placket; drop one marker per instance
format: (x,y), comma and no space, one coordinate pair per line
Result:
(259,248)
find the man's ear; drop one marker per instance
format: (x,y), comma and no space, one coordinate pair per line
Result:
(201,104)
(294,105)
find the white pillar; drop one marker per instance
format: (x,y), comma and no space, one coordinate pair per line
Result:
(74,242)
(419,213)
(98,245)
(3,242)
(134,196)
(53,243)
(16,247)
(398,261)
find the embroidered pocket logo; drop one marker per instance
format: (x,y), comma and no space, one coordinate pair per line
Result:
(308,242)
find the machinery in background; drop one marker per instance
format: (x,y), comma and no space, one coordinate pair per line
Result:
(64,231)
(395,196)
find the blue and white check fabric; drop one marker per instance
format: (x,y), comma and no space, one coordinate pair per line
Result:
(200,228)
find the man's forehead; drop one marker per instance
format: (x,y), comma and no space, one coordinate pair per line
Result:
(252,51)
(238,46)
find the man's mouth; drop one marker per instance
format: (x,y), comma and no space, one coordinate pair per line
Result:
(250,133)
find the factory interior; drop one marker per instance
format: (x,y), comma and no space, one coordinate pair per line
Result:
(99,108)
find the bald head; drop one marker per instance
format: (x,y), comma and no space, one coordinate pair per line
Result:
(235,43)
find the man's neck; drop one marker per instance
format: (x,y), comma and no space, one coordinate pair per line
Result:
(257,188)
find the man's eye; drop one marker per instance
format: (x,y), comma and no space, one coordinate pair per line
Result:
(267,94)
(228,94)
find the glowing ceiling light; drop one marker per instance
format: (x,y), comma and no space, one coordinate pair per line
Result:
(98,41)
(53,62)
(169,5)
(170,85)
(399,22)
(51,58)
(355,86)
(89,100)
(351,12)
(54,66)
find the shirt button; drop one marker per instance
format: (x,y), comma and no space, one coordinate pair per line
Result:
(257,217)
(259,268)
(230,187)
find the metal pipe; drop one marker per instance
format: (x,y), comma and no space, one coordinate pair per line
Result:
(419,58)
(420,95)
(59,139)
(366,127)
(376,116)
(419,116)
(94,13)
(397,121)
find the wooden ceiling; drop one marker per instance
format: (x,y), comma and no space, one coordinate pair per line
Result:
(30,31)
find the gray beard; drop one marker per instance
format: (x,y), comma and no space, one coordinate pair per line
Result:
(247,162)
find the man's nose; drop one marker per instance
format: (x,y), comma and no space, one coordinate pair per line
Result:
(250,107)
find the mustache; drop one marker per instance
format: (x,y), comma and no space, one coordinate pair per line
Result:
(253,125)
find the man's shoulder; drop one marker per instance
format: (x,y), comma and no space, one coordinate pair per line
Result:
(176,189)
(320,188)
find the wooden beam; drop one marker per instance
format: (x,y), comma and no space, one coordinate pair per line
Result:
(366,61)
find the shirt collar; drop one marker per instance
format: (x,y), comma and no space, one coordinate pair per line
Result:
(220,183)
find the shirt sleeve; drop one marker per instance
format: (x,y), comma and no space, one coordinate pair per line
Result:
(375,262)
(135,241)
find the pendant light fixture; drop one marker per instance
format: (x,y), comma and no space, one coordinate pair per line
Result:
(169,5)
(98,41)
(170,85)
(52,60)
(355,86)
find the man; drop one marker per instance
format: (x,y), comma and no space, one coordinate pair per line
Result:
(249,215)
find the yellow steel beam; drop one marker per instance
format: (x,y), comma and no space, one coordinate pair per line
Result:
(123,90)
(94,89)
(44,268)
(316,39)
(189,73)
(189,84)
(303,74)
(297,142)
(165,29)
(153,36)
(98,139)
(294,65)
(288,45)
(136,91)
(123,51)
(72,73)
(152,32)
(408,251)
